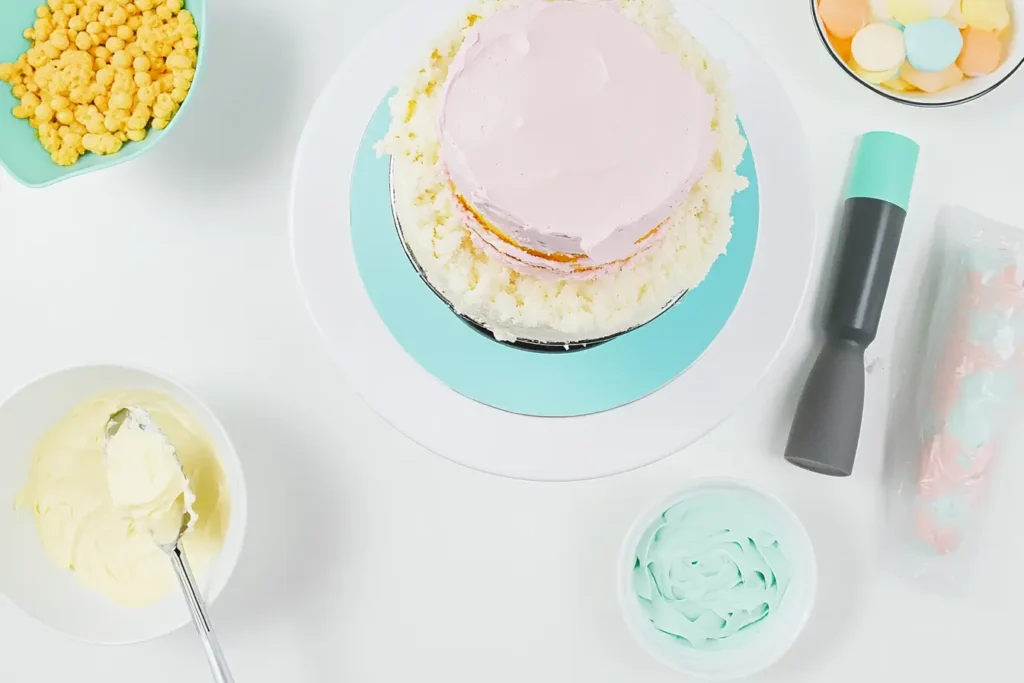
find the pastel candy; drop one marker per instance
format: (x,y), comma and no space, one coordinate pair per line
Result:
(843,18)
(879,47)
(897,84)
(933,44)
(880,9)
(990,15)
(910,11)
(842,46)
(941,8)
(876,77)
(956,16)
(981,54)
(932,81)
(927,45)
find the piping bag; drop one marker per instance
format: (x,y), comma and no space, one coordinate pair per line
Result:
(826,429)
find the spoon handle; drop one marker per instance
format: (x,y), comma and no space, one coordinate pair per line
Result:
(218,664)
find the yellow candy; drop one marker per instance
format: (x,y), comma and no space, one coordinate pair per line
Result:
(941,8)
(897,84)
(876,77)
(988,15)
(910,11)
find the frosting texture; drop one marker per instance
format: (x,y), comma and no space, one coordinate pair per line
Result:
(146,483)
(711,567)
(568,136)
(79,525)
(974,398)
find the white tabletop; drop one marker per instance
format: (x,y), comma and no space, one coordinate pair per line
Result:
(369,559)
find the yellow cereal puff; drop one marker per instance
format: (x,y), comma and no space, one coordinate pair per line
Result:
(100,73)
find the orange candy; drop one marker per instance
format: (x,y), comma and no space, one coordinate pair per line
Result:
(843,18)
(932,81)
(981,54)
(842,46)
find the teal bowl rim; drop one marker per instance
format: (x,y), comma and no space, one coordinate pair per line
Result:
(129,152)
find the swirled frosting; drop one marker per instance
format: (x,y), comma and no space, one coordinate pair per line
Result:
(710,567)
(569,136)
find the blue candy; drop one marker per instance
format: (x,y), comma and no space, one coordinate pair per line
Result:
(933,45)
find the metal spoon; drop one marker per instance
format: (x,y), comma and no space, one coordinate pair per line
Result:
(133,417)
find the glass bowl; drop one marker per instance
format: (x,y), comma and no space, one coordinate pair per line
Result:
(967,90)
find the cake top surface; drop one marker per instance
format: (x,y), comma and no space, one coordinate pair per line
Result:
(564,121)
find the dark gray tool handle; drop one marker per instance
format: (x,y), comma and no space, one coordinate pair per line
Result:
(872,230)
(826,429)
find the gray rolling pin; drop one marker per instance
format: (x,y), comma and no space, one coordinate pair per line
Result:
(826,429)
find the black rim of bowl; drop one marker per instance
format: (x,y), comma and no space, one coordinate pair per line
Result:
(521,344)
(820,28)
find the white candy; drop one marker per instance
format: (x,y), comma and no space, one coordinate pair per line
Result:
(880,9)
(957,16)
(879,47)
(941,8)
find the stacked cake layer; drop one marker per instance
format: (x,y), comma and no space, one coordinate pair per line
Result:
(568,137)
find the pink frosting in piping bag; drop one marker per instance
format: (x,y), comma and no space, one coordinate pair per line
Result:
(566,128)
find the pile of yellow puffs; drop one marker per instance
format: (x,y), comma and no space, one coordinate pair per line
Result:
(100,72)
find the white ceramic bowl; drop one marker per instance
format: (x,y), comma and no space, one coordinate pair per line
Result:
(778,633)
(967,90)
(51,595)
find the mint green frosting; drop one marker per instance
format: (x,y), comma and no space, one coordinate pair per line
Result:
(712,566)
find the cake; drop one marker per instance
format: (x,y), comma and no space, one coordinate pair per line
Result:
(563,170)
(528,95)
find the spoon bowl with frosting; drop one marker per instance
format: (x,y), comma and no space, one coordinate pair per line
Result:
(78,562)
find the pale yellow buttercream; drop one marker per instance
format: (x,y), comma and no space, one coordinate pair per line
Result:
(146,482)
(79,525)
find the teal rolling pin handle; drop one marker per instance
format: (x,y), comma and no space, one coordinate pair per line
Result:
(826,429)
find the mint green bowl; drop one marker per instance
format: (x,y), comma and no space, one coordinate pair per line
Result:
(20,152)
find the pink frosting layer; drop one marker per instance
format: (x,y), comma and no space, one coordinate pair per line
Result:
(568,130)
(530,264)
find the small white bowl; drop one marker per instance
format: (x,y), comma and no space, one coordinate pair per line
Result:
(967,90)
(51,595)
(779,632)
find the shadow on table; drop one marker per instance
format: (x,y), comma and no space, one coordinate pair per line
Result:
(836,606)
(239,112)
(297,525)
